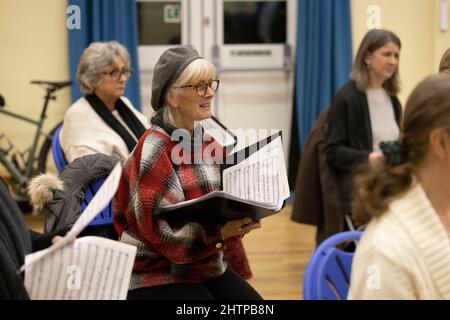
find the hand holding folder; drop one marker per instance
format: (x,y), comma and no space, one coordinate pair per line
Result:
(239,227)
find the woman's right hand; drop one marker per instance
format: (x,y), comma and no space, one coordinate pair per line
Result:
(239,227)
(376,158)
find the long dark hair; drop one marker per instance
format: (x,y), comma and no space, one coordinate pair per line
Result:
(427,108)
(373,40)
(444,65)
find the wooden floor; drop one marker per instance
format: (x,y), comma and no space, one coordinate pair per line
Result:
(278,254)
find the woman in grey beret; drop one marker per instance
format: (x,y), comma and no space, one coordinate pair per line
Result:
(104,121)
(178,258)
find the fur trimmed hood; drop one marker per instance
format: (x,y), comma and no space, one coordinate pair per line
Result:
(60,197)
(41,189)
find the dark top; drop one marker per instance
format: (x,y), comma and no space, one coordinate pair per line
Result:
(16,241)
(349,138)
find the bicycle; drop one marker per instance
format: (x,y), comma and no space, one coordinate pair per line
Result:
(22,166)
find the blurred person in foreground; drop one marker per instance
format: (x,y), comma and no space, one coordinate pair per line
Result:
(444,65)
(404,252)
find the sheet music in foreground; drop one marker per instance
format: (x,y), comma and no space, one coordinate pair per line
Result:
(97,204)
(91,268)
(261,177)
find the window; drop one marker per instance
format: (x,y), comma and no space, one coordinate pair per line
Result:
(159,22)
(252,22)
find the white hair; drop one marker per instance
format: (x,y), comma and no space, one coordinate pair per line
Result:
(197,69)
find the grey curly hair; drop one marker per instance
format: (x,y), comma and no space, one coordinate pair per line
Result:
(97,58)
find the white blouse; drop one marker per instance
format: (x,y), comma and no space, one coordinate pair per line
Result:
(382,117)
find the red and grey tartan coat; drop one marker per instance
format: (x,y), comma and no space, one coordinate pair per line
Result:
(170,252)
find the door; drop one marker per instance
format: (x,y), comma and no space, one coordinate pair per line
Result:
(251,43)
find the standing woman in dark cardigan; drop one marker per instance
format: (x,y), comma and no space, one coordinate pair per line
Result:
(365,111)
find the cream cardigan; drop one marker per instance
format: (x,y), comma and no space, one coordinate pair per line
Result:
(84,132)
(404,254)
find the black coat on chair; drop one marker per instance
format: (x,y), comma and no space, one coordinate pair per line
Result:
(16,241)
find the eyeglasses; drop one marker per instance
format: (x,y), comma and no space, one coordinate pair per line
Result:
(116,73)
(202,87)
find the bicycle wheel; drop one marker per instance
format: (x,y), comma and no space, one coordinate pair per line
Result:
(45,159)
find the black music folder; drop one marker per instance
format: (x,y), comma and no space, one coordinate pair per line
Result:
(254,184)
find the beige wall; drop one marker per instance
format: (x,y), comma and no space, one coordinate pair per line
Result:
(34,45)
(416,22)
(33,39)
(442,39)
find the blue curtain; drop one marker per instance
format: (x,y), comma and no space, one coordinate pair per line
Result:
(106,20)
(324,57)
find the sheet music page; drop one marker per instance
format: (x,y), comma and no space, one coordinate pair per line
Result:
(221,135)
(261,177)
(91,268)
(88,268)
(286,192)
(97,204)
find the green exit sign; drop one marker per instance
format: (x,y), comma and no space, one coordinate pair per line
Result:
(251,53)
(172,13)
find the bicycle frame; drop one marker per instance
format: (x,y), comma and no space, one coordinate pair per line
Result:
(23,177)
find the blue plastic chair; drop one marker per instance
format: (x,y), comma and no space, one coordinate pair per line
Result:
(327,276)
(57,152)
(105,217)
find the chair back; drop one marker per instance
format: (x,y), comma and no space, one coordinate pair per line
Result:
(57,152)
(105,217)
(327,275)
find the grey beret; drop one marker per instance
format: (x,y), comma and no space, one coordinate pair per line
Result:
(167,70)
